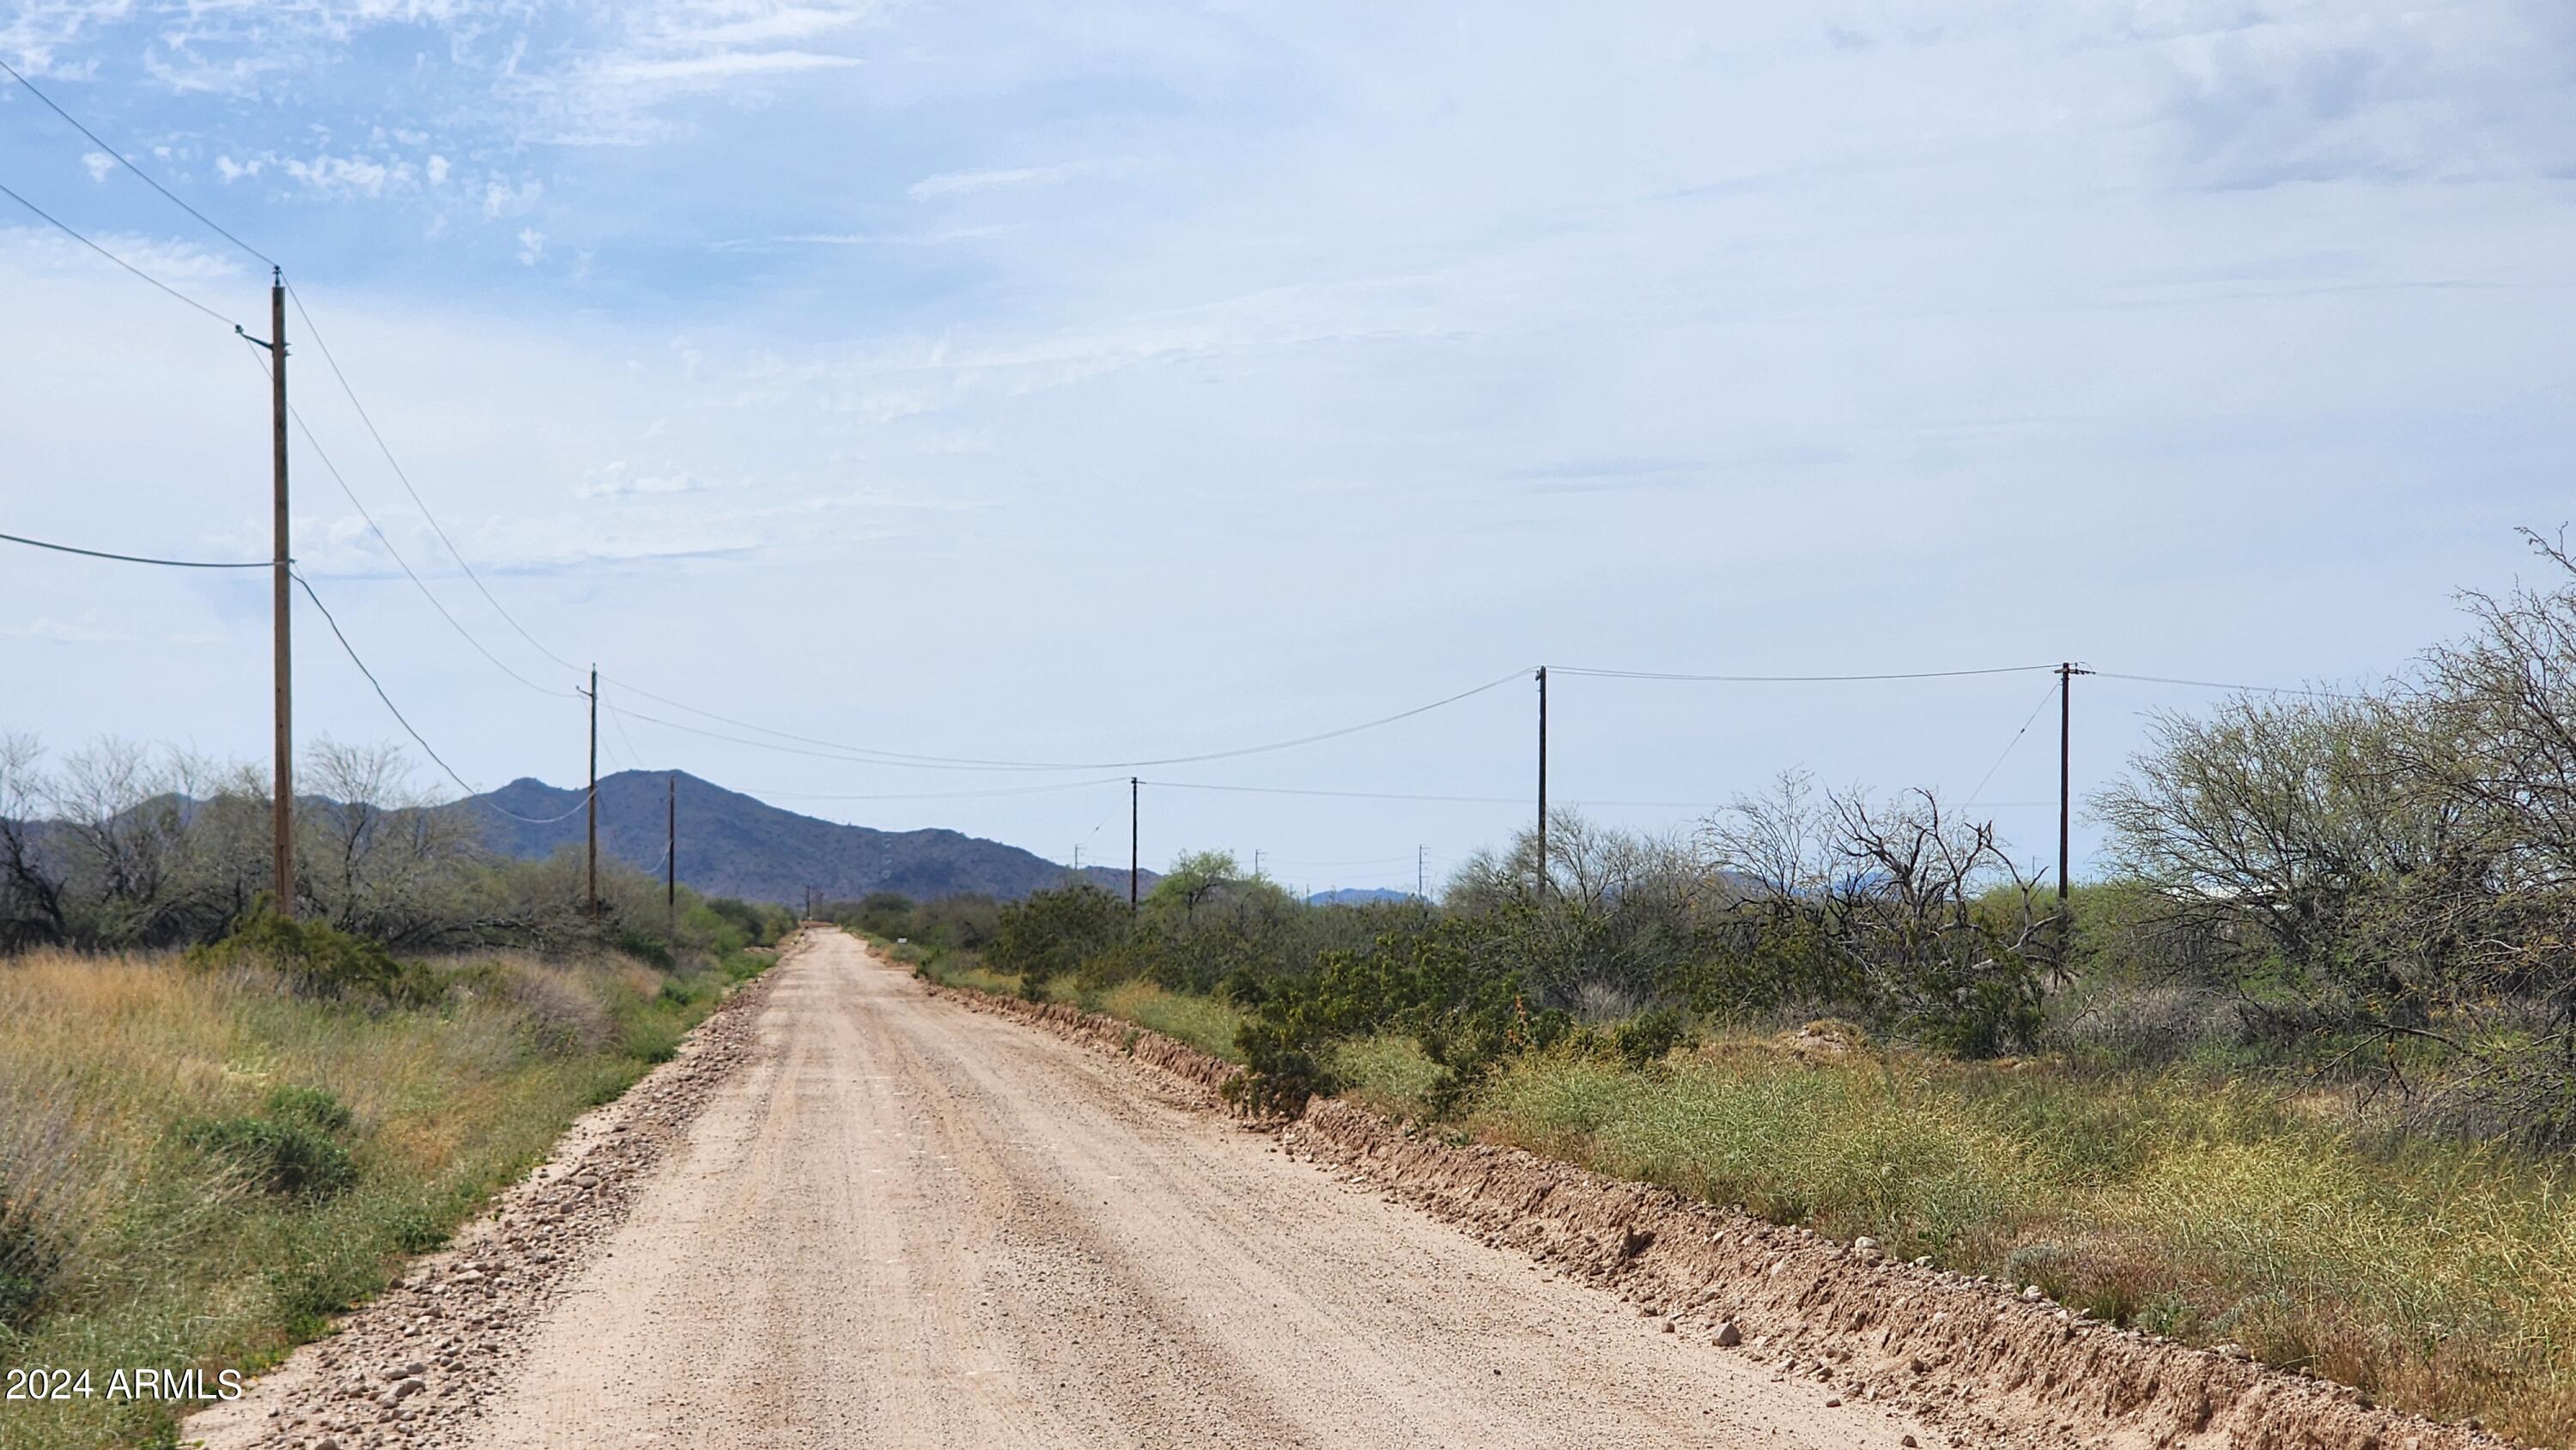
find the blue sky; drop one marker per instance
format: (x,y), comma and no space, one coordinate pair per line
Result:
(1087,381)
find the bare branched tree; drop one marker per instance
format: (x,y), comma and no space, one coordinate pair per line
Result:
(31,895)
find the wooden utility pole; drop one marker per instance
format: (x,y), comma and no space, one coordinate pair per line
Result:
(591,892)
(281,810)
(2066,674)
(1132,820)
(671,851)
(1542,782)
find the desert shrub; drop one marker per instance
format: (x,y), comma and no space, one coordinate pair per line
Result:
(319,960)
(962,922)
(1051,933)
(1649,1036)
(644,946)
(879,913)
(281,1157)
(560,1016)
(1457,990)
(314,1107)
(760,923)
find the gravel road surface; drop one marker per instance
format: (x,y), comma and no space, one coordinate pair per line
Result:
(902,1223)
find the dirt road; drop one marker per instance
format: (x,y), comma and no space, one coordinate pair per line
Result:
(902,1223)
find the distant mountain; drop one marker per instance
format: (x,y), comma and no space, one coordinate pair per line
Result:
(734,845)
(1356,896)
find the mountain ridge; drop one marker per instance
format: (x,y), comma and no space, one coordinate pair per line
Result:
(732,844)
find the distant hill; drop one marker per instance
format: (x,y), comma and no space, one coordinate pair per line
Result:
(734,845)
(1356,896)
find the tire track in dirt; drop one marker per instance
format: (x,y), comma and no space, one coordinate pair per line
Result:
(1987,1364)
(897,1223)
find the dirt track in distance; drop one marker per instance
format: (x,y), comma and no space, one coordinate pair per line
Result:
(902,1223)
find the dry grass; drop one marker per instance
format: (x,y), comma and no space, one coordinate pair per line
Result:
(2442,1279)
(157,1254)
(2439,1277)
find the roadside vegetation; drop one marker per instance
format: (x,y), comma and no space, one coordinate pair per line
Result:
(220,1126)
(2297,1075)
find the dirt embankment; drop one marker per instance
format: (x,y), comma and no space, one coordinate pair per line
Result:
(1200,1071)
(1986,1360)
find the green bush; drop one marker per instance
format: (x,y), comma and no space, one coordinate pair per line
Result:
(319,960)
(644,946)
(314,1107)
(1051,933)
(1649,1036)
(287,1158)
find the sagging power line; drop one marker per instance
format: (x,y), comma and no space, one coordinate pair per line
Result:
(68,230)
(276,347)
(128,163)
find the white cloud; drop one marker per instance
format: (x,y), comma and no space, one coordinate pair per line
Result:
(503,197)
(955,183)
(701,72)
(99,164)
(352,175)
(171,261)
(620,480)
(436,169)
(1848,301)
(50,630)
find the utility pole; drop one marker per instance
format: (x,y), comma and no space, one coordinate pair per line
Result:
(591,892)
(1256,863)
(2066,674)
(671,852)
(1420,878)
(281,806)
(1542,782)
(1133,817)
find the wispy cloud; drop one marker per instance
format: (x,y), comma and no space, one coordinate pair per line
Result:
(959,183)
(49,630)
(940,237)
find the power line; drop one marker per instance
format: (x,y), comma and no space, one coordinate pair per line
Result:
(471,791)
(1365,795)
(391,708)
(67,230)
(417,501)
(2009,744)
(635,756)
(865,755)
(1793,679)
(396,554)
(140,559)
(129,165)
(2223,685)
(1373,795)
(950,795)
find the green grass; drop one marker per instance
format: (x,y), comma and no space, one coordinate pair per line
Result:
(2442,1280)
(2439,1277)
(1387,1072)
(208,1167)
(1202,1022)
